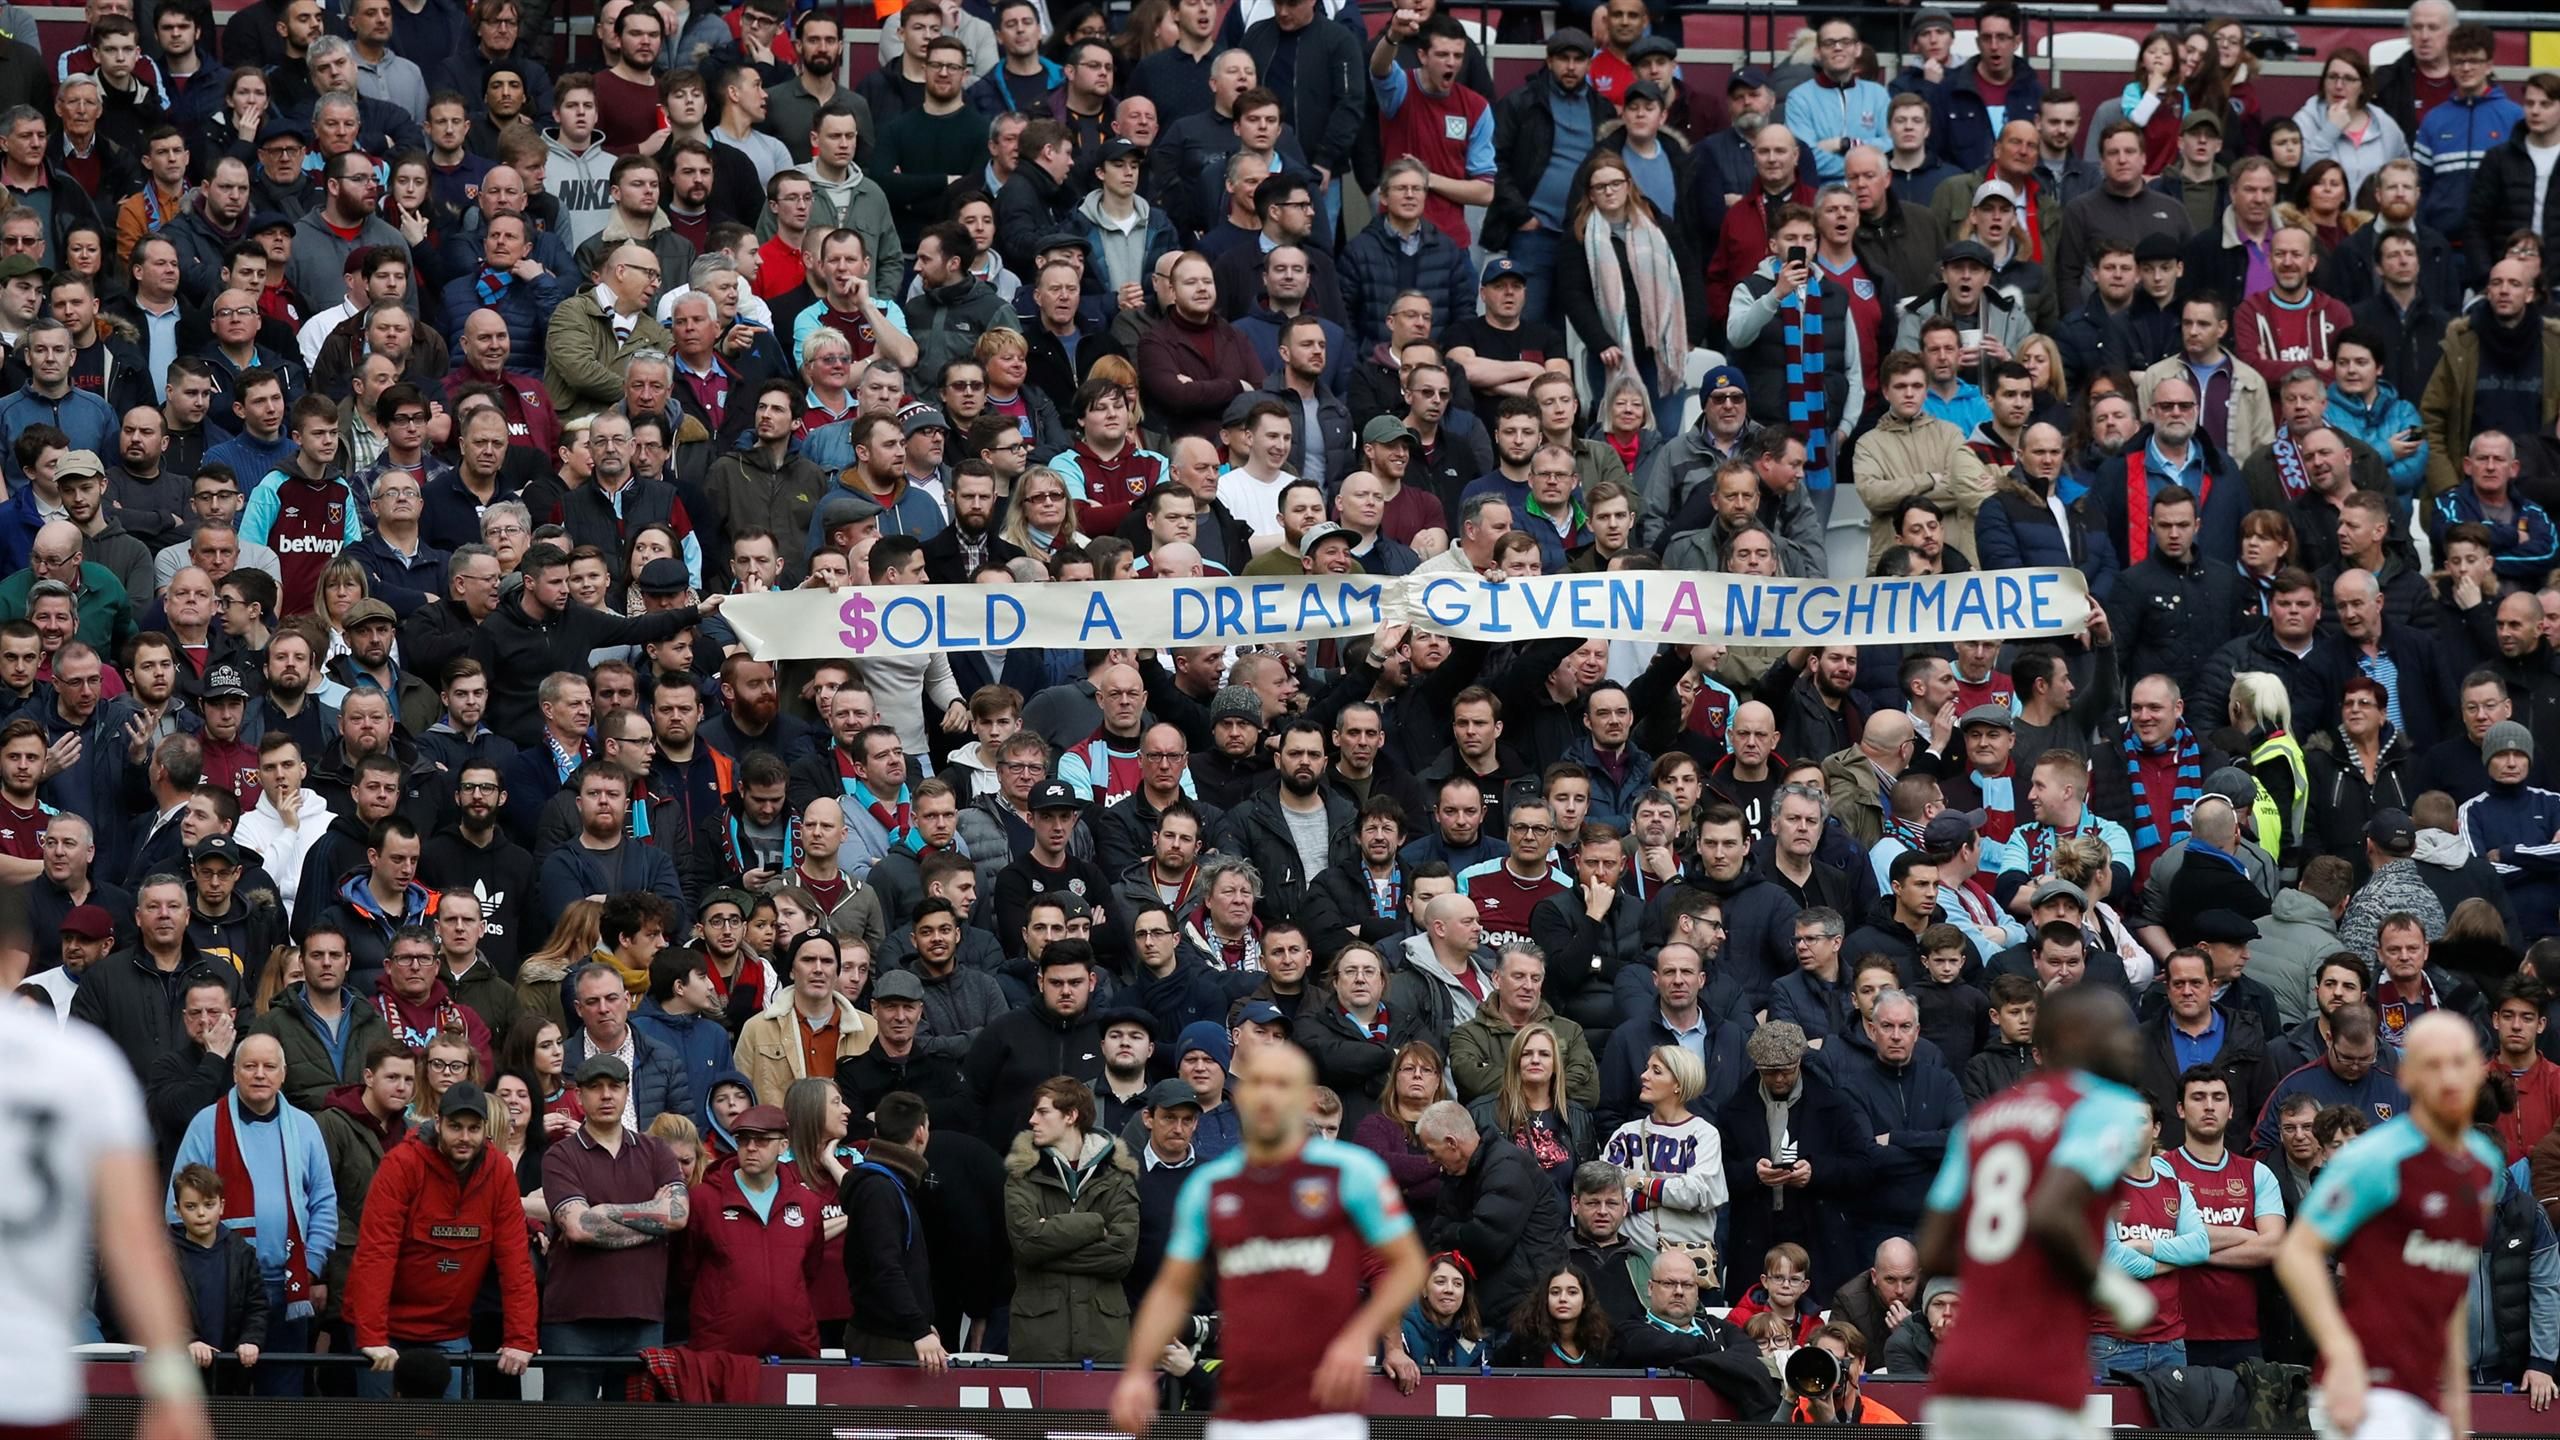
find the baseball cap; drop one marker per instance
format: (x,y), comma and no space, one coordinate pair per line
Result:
(1165,1094)
(1996,190)
(1385,429)
(728,895)
(2201,118)
(2392,831)
(1239,409)
(921,417)
(1117,148)
(18,265)
(74,463)
(2233,784)
(603,1067)
(367,611)
(1262,1012)
(1988,715)
(897,985)
(1570,38)
(1054,795)
(464,1098)
(1951,830)
(664,576)
(1642,90)
(223,682)
(89,922)
(214,847)
(1320,532)
(1747,77)
(1500,267)
(1973,250)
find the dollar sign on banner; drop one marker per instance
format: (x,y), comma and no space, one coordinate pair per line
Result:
(859,632)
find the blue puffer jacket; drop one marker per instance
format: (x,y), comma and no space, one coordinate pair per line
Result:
(2525,555)
(2448,148)
(659,1085)
(2374,422)
(1374,270)
(700,1043)
(2014,528)
(2518,821)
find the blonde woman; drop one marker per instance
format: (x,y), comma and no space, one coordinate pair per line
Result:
(1530,1109)
(1674,1160)
(1042,518)
(2085,861)
(2262,711)
(342,583)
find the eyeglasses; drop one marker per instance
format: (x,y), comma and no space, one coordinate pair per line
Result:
(2174,407)
(964,384)
(1024,767)
(724,922)
(946,67)
(449,1067)
(234,312)
(1152,932)
(406,417)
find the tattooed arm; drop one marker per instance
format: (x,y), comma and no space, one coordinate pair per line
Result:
(619,1227)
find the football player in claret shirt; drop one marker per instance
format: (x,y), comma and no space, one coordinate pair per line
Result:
(2018,1211)
(1289,1221)
(2401,1213)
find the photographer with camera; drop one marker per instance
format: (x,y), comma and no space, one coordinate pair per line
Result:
(1826,1382)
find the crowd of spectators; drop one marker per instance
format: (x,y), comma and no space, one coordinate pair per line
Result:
(516,962)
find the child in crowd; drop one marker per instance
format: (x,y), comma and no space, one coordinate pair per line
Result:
(1952,1011)
(2012,1052)
(225,1296)
(1786,1274)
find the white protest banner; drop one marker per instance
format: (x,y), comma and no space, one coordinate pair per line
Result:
(1656,605)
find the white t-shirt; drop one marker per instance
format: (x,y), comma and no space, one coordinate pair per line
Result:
(67,1099)
(2542,157)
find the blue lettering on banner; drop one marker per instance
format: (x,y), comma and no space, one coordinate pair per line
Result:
(1098,618)
(1631,605)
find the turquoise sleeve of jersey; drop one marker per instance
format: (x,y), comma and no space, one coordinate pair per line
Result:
(2270,1195)
(1190,1238)
(1946,1193)
(1369,1194)
(2191,1246)
(2127,1259)
(259,516)
(2101,1136)
(2359,1181)
(1391,89)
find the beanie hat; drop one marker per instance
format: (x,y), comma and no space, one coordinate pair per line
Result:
(1209,1037)
(2504,736)
(1236,702)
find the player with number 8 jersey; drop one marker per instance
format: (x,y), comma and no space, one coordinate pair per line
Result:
(2017,1214)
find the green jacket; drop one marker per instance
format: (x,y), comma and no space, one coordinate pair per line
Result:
(308,1075)
(488,994)
(2454,390)
(355,1153)
(106,612)
(1070,1251)
(1481,1048)
(583,362)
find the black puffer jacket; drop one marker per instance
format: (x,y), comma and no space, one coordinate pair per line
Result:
(1258,831)
(1015,1052)
(1584,955)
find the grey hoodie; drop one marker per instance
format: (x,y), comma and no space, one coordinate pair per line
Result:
(1447,996)
(582,181)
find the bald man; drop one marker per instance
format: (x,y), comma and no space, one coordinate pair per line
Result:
(58,551)
(594,333)
(2403,1212)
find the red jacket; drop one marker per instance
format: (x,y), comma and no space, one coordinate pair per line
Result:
(752,1277)
(428,1239)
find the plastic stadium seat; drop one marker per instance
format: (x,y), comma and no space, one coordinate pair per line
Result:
(2383,52)
(2097,49)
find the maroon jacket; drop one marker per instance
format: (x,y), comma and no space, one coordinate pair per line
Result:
(752,1277)
(1218,362)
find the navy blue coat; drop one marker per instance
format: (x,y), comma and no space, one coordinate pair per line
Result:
(1622,1068)
(1830,1134)
(2014,529)
(1375,270)
(1915,1105)
(526,306)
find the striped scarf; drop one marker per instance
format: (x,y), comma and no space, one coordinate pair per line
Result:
(2289,465)
(1806,349)
(2146,826)
(492,285)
